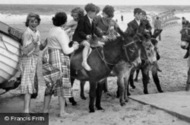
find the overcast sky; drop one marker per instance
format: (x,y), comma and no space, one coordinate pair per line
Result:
(100,2)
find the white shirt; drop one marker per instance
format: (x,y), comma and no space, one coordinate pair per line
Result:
(138,22)
(59,39)
(30,36)
(90,19)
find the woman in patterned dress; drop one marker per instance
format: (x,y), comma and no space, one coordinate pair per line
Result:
(29,59)
(56,64)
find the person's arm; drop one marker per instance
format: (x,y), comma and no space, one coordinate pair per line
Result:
(130,30)
(28,49)
(64,42)
(80,29)
(70,24)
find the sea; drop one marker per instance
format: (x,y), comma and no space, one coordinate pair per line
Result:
(16,14)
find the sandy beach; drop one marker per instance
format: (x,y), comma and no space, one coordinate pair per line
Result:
(173,78)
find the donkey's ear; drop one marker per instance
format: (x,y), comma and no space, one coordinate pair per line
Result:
(156,33)
(121,33)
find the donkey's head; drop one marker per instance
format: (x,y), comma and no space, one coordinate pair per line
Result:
(185,37)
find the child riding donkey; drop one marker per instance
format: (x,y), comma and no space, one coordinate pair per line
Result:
(86,31)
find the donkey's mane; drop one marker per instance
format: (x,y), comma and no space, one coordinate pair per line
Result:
(113,42)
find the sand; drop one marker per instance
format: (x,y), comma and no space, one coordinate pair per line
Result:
(173,78)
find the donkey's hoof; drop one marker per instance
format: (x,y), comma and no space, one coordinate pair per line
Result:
(128,94)
(122,103)
(91,111)
(99,108)
(187,87)
(74,103)
(133,87)
(126,100)
(161,91)
(83,97)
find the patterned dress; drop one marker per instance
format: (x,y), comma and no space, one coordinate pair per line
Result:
(56,72)
(28,63)
(56,64)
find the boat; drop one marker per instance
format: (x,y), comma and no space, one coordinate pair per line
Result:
(10,47)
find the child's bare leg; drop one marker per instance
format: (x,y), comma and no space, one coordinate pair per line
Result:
(27,98)
(62,111)
(85,55)
(47,100)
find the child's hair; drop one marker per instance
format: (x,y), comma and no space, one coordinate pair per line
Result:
(97,9)
(79,11)
(109,10)
(143,12)
(137,11)
(31,15)
(91,7)
(59,19)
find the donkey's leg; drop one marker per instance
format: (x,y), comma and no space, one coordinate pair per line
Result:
(156,79)
(188,81)
(92,95)
(131,81)
(121,88)
(71,99)
(117,92)
(137,74)
(145,75)
(82,95)
(105,85)
(126,83)
(99,90)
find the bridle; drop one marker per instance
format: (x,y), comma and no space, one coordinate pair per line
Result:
(102,56)
(104,59)
(125,46)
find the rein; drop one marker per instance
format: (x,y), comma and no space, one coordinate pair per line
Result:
(104,59)
(126,54)
(102,56)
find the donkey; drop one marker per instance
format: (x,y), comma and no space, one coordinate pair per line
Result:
(102,61)
(185,38)
(122,70)
(146,66)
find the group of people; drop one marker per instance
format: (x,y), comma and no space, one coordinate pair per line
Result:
(85,30)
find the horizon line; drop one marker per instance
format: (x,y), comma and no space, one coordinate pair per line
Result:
(85,4)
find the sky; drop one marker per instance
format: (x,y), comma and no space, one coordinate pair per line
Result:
(100,2)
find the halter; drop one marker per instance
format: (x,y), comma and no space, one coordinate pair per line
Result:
(107,63)
(104,59)
(126,54)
